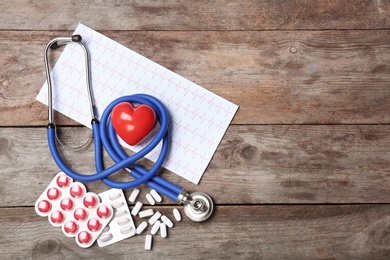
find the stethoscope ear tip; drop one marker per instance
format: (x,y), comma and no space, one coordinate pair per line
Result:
(62,41)
(76,38)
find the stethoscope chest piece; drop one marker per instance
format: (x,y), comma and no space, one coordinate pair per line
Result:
(200,207)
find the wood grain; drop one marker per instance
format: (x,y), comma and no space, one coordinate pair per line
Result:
(240,232)
(253,165)
(303,172)
(195,15)
(309,77)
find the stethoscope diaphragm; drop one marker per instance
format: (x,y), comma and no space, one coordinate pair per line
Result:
(199,207)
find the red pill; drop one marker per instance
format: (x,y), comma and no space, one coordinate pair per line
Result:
(44,206)
(103,211)
(57,217)
(71,227)
(94,224)
(90,201)
(67,204)
(84,237)
(76,191)
(80,214)
(53,193)
(63,181)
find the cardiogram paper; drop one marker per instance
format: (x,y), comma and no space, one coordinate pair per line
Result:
(198,117)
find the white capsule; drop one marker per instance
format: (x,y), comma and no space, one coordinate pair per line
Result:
(114,196)
(146,213)
(150,199)
(106,229)
(126,230)
(167,221)
(123,221)
(163,230)
(155,227)
(120,213)
(155,195)
(137,208)
(105,237)
(117,204)
(148,242)
(134,195)
(176,214)
(155,217)
(142,227)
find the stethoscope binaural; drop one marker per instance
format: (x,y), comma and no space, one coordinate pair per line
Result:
(198,206)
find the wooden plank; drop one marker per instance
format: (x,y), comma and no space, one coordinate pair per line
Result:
(245,232)
(195,15)
(305,77)
(253,165)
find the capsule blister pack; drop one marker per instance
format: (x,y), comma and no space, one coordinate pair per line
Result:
(79,213)
(121,225)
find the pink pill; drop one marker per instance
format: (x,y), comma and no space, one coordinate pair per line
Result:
(53,193)
(70,227)
(57,217)
(66,204)
(90,201)
(94,224)
(80,214)
(76,191)
(44,206)
(84,237)
(63,181)
(103,211)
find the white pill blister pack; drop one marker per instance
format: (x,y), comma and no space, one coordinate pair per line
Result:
(121,225)
(79,213)
(103,217)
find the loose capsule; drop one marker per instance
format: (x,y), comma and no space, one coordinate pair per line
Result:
(148,242)
(142,227)
(155,227)
(136,208)
(155,217)
(134,195)
(167,221)
(176,214)
(163,230)
(156,196)
(146,213)
(150,199)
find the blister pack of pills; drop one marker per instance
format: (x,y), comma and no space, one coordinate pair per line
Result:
(79,213)
(121,225)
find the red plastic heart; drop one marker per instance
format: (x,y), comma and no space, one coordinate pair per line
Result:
(131,123)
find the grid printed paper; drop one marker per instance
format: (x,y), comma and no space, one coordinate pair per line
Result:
(198,117)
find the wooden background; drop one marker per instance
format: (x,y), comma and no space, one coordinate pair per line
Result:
(303,172)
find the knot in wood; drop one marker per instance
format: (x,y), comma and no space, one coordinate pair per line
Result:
(293,50)
(46,247)
(249,152)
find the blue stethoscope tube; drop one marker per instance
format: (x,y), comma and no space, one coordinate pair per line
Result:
(110,142)
(105,136)
(198,206)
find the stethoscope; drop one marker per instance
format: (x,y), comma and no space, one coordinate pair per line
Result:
(198,206)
